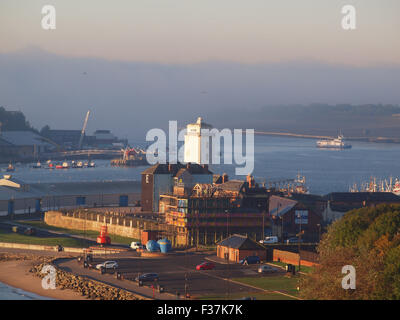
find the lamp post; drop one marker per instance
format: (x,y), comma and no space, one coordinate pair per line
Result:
(227,236)
(263,221)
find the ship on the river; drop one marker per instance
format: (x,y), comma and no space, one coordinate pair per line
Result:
(336,143)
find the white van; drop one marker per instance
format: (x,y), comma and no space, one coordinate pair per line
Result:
(272,239)
(136,245)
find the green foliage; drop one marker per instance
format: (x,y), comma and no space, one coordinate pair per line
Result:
(368,239)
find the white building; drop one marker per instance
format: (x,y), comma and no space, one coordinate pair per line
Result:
(197,143)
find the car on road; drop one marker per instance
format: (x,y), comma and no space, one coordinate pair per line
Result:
(294,240)
(266,269)
(273,239)
(147,277)
(205,266)
(250,260)
(107,265)
(136,245)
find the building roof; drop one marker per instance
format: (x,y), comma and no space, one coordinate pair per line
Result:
(23,138)
(278,206)
(232,185)
(362,196)
(173,169)
(238,241)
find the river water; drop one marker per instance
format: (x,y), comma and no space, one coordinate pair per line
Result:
(275,158)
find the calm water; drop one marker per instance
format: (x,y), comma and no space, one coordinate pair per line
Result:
(275,158)
(11,293)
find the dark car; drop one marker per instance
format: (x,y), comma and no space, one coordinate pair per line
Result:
(147,277)
(250,260)
(294,240)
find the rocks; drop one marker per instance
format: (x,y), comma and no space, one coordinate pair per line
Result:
(86,287)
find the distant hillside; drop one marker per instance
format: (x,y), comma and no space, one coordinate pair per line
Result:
(369,120)
(13,121)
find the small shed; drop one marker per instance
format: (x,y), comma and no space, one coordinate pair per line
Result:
(238,247)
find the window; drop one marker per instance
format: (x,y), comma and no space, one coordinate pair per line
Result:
(147,178)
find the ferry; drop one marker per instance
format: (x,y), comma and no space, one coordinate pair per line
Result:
(337,143)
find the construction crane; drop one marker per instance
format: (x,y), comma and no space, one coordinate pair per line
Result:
(83,130)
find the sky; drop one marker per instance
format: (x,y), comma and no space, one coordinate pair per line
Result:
(177,31)
(138,63)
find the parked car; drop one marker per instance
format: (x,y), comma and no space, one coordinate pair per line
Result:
(250,260)
(107,265)
(272,239)
(147,277)
(266,269)
(205,266)
(294,240)
(136,245)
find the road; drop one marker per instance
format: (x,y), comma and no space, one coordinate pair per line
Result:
(172,270)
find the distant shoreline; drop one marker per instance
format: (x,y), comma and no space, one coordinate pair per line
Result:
(309,136)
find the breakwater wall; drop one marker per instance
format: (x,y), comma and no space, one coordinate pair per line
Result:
(82,220)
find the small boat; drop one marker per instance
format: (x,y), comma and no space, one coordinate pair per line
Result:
(91,164)
(65,165)
(79,164)
(10,168)
(38,165)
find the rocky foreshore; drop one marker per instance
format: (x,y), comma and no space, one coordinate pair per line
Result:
(86,287)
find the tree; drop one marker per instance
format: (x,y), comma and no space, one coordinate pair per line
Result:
(369,240)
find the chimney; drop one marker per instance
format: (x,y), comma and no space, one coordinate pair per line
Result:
(250,181)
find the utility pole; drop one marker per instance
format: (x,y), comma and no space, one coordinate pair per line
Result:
(229,249)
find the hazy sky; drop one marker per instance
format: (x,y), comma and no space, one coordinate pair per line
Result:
(187,31)
(139,63)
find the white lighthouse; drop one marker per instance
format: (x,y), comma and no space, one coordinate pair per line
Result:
(198,143)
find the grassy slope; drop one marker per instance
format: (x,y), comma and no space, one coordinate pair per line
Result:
(50,241)
(90,234)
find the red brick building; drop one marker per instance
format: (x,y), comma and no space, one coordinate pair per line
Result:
(290,217)
(238,247)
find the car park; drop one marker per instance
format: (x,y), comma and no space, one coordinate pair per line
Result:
(205,266)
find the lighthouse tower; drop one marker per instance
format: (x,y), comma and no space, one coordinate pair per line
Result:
(197,143)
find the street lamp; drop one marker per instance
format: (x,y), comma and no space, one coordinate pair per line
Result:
(229,249)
